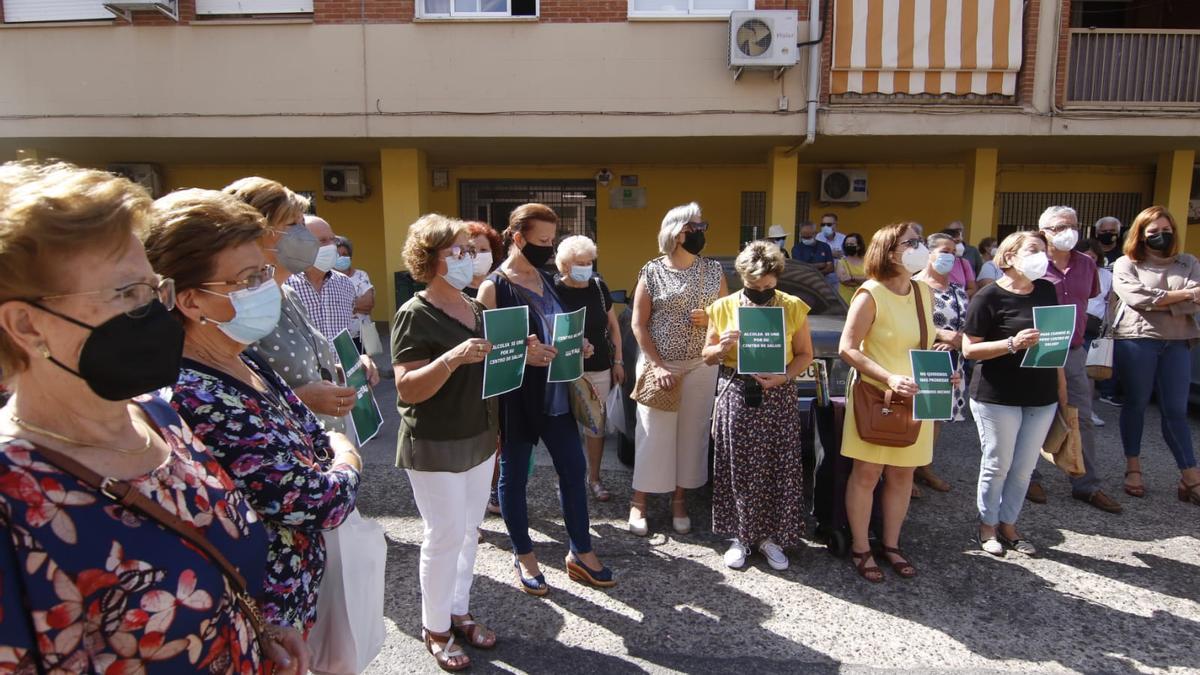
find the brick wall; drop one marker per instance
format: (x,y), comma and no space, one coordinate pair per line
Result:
(1028,53)
(1064,45)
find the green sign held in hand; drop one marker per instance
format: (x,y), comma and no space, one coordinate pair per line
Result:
(567,365)
(1057,326)
(504,368)
(932,371)
(365,413)
(762,345)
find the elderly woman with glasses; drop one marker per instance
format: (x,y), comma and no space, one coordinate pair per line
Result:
(300,479)
(669,321)
(86,583)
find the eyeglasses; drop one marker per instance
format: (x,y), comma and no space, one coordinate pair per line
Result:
(1055,229)
(697,227)
(252,280)
(915,242)
(459,252)
(137,297)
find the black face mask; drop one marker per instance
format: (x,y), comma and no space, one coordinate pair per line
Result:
(1161,242)
(537,255)
(759,297)
(693,242)
(1107,238)
(125,357)
(850,250)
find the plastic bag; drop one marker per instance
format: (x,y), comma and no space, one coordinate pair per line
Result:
(368,333)
(614,410)
(349,632)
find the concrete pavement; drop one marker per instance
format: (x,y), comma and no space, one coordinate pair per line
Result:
(1109,594)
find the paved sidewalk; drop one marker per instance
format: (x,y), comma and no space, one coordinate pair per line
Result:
(1110,593)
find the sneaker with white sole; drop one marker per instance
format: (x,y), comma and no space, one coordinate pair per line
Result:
(1096,421)
(735,557)
(774,555)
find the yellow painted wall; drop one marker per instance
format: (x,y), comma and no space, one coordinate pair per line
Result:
(361,221)
(1041,178)
(928,194)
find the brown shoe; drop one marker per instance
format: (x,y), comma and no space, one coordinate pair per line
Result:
(1099,500)
(925,476)
(1036,493)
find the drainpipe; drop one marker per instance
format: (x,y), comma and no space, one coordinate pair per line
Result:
(816,36)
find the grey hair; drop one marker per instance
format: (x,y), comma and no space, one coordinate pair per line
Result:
(1108,219)
(672,225)
(572,246)
(341,241)
(937,238)
(1056,213)
(759,259)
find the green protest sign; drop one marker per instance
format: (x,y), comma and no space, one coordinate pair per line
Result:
(568,340)
(932,371)
(365,414)
(1057,326)
(762,345)
(504,368)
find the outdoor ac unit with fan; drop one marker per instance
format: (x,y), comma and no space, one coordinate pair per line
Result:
(843,185)
(126,8)
(342,180)
(764,38)
(145,175)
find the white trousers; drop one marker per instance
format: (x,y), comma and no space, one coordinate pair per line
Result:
(452,506)
(671,448)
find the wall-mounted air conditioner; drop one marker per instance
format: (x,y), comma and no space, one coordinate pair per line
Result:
(765,38)
(342,180)
(843,185)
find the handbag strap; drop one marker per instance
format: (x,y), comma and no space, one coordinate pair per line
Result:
(919,297)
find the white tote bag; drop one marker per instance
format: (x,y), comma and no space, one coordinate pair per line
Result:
(368,334)
(614,410)
(1100,359)
(349,632)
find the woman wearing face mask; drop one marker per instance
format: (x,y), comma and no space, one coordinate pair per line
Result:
(300,480)
(295,349)
(447,432)
(538,410)
(961,273)
(1160,289)
(671,448)
(881,327)
(579,288)
(851,270)
(1013,406)
(364,290)
(488,247)
(85,329)
(949,316)
(988,273)
(758,478)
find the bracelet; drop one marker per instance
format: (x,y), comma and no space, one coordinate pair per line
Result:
(1012,348)
(451,372)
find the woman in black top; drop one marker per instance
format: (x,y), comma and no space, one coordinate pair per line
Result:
(577,287)
(1013,406)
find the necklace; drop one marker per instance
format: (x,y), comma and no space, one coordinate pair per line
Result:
(28,426)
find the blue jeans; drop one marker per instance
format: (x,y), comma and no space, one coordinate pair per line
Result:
(1164,367)
(561,437)
(1010,437)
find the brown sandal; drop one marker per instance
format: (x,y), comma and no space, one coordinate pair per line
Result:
(449,657)
(928,478)
(902,567)
(859,560)
(1189,493)
(1134,490)
(473,633)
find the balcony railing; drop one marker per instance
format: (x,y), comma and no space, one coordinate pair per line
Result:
(1134,68)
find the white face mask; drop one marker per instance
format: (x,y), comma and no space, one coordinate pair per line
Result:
(959,249)
(483,263)
(1033,266)
(827,230)
(1065,240)
(459,272)
(581,273)
(914,259)
(943,263)
(326,257)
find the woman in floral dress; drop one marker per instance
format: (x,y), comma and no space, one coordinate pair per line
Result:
(86,584)
(300,479)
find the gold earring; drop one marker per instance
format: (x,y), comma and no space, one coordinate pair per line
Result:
(44,351)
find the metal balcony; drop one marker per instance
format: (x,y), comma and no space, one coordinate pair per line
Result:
(1127,68)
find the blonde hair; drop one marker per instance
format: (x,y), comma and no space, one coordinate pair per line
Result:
(1013,243)
(49,212)
(672,225)
(572,246)
(757,260)
(273,199)
(431,233)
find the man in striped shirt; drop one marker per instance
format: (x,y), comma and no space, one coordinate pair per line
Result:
(328,295)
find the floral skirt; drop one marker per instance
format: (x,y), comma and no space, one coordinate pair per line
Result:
(758,476)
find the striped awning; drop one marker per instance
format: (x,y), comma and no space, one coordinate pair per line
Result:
(926,46)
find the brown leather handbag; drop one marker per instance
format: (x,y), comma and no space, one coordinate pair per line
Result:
(884,417)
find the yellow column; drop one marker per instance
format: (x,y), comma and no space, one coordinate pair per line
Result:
(782,176)
(979,195)
(405,184)
(1172,189)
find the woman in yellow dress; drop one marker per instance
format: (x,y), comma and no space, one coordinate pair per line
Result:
(852,269)
(881,327)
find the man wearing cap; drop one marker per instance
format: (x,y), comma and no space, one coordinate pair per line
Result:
(778,236)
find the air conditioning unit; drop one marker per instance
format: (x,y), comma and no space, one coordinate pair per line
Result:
(763,39)
(843,185)
(145,175)
(342,180)
(126,8)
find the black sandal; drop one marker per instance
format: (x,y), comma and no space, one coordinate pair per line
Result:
(902,567)
(859,560)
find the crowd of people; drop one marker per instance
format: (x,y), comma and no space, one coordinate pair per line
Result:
(178,441)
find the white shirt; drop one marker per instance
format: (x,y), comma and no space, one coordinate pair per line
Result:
(989,271)
(835,243)
(362,284)
(1098,305)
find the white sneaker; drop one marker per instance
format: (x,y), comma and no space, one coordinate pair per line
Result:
(774,555)
(735,557)
(1096,421)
